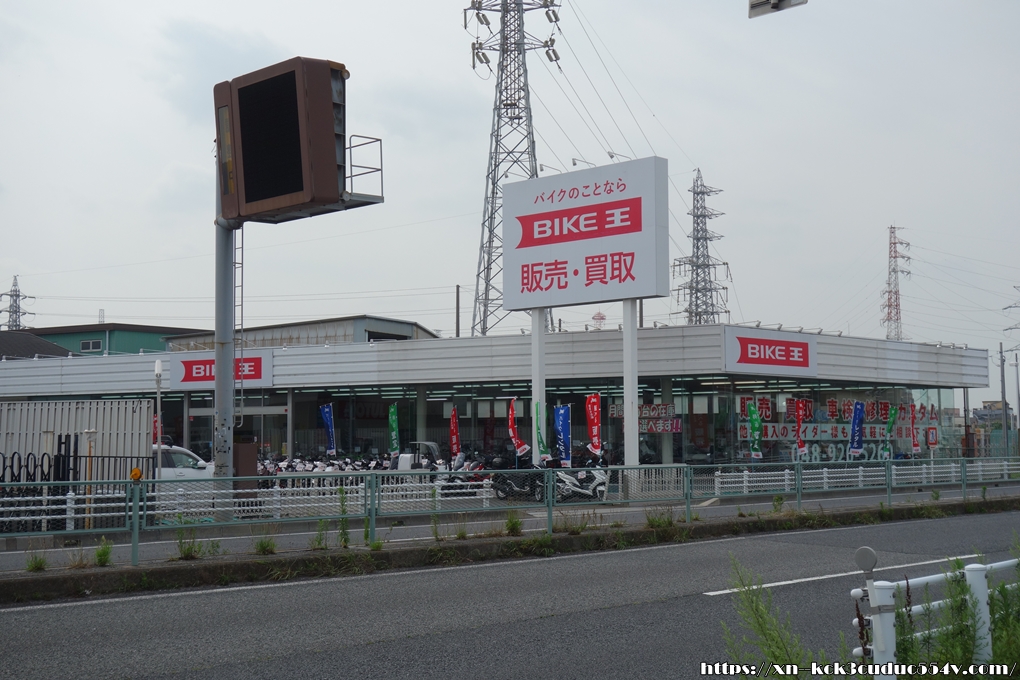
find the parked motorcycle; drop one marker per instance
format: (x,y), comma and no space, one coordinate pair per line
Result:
(588,483)
(530,486)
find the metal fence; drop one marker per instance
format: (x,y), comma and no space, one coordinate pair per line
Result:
(90,506)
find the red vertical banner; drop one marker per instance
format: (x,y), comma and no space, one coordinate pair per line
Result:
(593,410)
(801,406)
(511,424)
(454,434)
(914,445)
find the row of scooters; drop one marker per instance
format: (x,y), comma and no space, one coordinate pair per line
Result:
(469,472)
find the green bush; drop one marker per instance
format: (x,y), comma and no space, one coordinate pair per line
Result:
(104,552)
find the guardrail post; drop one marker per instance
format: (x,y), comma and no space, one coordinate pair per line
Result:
(924,474)
(882,598)
(747,481)
(135,486)
(718,483)
(888,481)
(963,478)
(486,492)
(786,480)
(276,501)
(860,477)
(69,512)
(976,576)
(687,491)
(550,490)
(800,481)
(825,479)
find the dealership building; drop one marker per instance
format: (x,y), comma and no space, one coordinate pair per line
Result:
(695,385)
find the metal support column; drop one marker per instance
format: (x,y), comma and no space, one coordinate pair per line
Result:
(538,329)
(630,375)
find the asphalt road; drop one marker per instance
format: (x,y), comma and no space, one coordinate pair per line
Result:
(638,613)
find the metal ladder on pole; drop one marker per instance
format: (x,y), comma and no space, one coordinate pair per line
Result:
(239,325)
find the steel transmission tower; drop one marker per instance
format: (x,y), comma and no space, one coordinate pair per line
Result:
(891,305)
(512,142)
(14,311)
(706,297)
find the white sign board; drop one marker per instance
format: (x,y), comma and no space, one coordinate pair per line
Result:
(763,352)
(197,370)
(594,235)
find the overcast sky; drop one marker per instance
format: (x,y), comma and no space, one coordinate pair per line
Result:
(823,125)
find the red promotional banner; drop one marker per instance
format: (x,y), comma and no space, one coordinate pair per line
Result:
(801,406)
(914,446)
(454,434)
(511,424)
(593,409)
(155,429)
(580,222)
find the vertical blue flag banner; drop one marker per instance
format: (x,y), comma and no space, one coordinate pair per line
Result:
(561,425)
(856,447)
(327,419)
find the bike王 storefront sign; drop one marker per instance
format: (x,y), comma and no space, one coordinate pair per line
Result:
(197,370)
(764,352)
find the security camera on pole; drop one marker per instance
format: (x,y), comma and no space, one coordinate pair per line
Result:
(589,236)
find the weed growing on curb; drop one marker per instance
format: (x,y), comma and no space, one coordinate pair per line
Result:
(777,504)
(188,547)
(514,523)
(265,545)
(984,493)
(460,528)
(365,531)
(35,562)
(935,494)
(104,552)
(740,513)
(318,541)
(76,558)
(375,545)
(660,517)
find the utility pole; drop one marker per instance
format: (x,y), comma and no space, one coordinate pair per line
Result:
(706,297)
(891,305)
(1005,406)
(512,142)
(15,312)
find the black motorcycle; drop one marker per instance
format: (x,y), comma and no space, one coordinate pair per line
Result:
(521,486)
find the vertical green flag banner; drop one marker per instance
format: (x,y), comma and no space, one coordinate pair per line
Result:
(394,431)
(886,446)
(539,421)
(755,422)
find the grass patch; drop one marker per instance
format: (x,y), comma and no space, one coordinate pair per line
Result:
(265,545)
(343,536)
(460,527)
(375,546)
(514,523)
(660,517)
(76,558)
(318,541)
(104,553)
(35,563)
(777,504)
(188,547)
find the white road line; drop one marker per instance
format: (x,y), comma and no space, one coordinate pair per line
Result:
(845,573)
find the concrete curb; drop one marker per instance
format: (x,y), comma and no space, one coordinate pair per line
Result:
(76,583)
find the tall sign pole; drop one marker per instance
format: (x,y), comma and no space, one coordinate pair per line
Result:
(631,441)
(537,380)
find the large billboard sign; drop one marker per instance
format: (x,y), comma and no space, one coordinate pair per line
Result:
(594,235)
(197,370)
(753,350)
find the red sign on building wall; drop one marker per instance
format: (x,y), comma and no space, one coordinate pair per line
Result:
(752,350)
